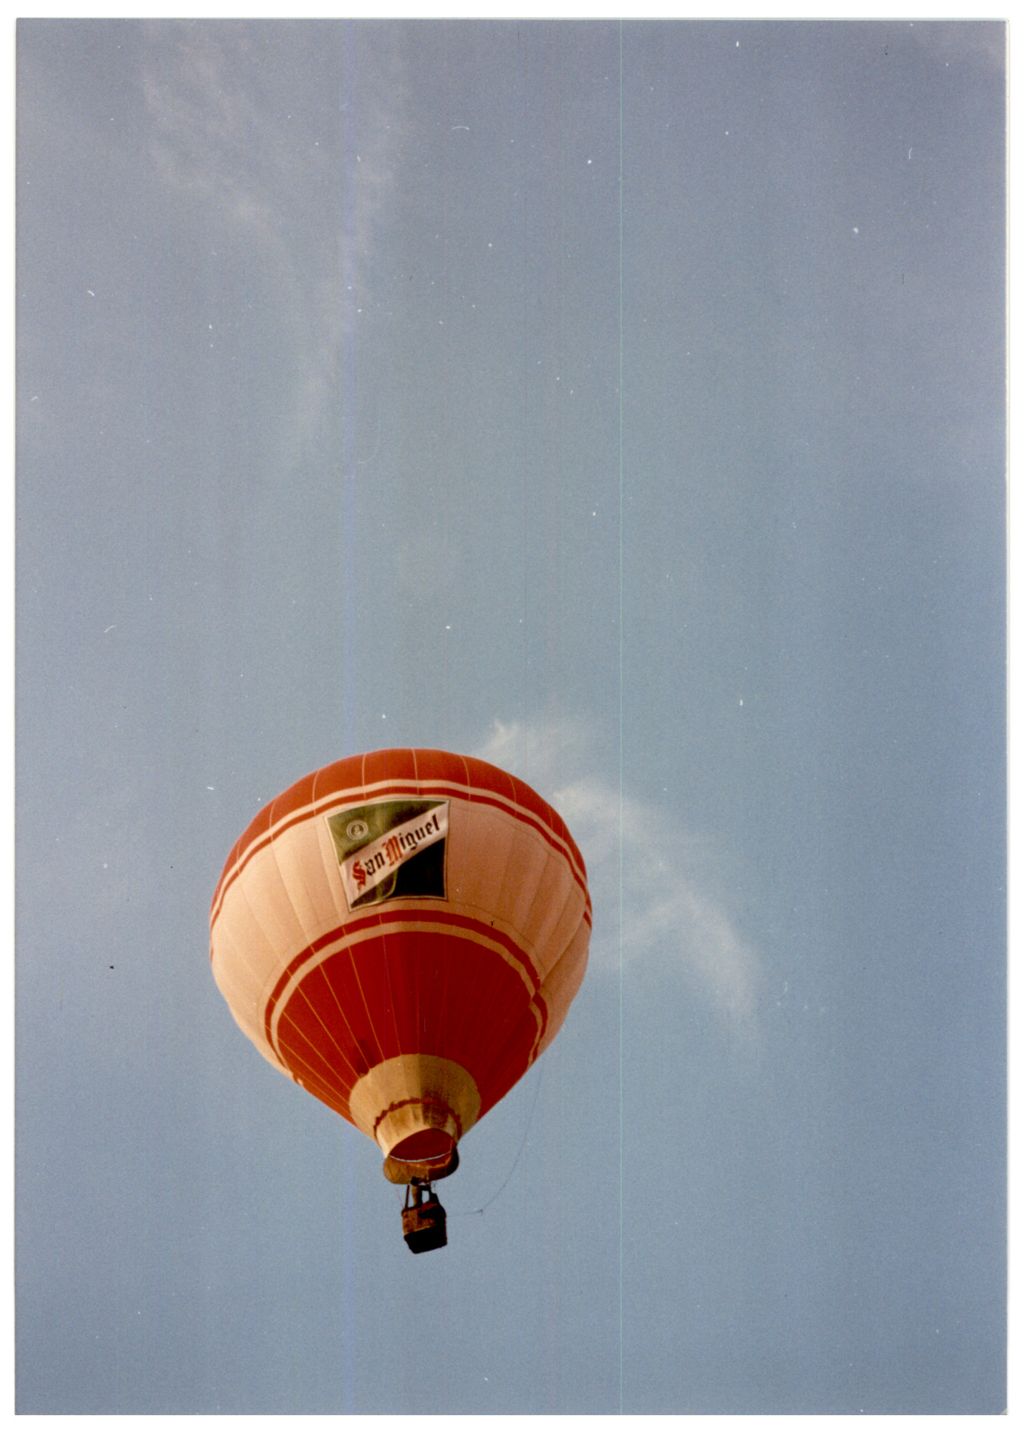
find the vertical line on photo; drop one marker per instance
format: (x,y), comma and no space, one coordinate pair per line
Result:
(620,574)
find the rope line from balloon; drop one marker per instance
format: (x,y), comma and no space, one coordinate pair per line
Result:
(471,1212)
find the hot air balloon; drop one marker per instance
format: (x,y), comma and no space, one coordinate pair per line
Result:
(401,933)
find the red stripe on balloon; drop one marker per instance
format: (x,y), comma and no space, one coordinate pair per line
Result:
(280,826)
(471,1010)
(393,922)
(408,763)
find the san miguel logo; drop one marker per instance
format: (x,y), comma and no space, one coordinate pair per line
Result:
(390,850)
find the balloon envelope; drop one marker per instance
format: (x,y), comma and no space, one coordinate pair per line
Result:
(402,933)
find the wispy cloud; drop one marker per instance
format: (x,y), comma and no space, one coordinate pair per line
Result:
(309,206)
(644,867)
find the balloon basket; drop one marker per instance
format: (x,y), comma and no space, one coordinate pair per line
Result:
(423,1219)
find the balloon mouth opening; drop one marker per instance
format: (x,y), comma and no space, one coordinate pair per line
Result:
(424,1146)
(422,1157)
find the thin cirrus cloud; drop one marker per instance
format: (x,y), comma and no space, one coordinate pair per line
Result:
(220,132)
(643,866)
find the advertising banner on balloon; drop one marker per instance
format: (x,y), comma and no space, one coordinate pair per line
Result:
(391,849)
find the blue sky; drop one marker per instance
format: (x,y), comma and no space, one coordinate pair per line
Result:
(626,407)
